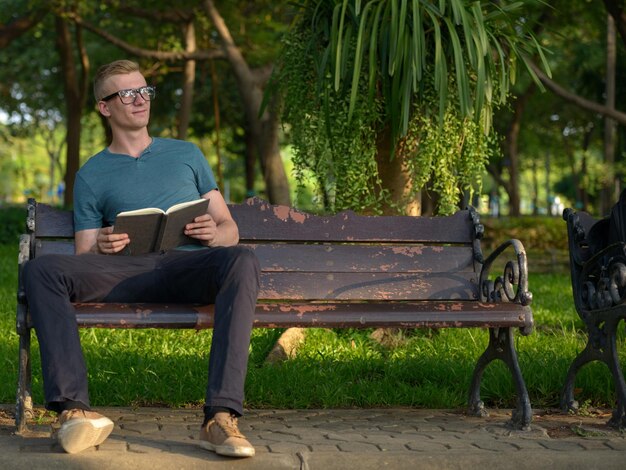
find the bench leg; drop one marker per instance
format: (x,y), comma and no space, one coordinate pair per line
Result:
(618,420)
(587,355)
(501,346)
(601,346)
(24,406)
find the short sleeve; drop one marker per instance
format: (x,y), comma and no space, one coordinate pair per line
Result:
(205,179)
(87,214)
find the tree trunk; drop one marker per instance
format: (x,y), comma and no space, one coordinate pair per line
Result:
(73,104)
(616,10)
(511,150)
(569,152)
(218,126)
(394,177)
(264,128)
(535,187)
(609,193)
(549,198)
(189,77)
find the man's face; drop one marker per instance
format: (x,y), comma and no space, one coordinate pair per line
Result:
(135,115)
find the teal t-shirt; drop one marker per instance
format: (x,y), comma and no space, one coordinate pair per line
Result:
(169,171)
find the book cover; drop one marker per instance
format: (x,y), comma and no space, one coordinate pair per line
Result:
(152,229)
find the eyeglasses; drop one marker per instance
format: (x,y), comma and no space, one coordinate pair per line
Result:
(129,96)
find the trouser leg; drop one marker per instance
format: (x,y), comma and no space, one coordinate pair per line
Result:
(225,276)
(52,283)
(229,278)
(234,312)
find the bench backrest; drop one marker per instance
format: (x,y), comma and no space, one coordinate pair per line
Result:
(340,257)
(598,267)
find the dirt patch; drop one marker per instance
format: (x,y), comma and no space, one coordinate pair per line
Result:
(39,424)
(590,423)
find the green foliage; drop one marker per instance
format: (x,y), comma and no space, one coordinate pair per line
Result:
(12,224)
(342,166)
(452,154)
(353,71)
(535,232)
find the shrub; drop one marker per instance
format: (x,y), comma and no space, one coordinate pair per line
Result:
(12,223)
(535,232)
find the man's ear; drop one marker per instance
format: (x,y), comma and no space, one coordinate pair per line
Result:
(103,107)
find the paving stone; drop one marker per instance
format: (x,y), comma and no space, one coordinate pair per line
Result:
(280,436)
(344,436)
(428,427)
(356,446)
(493,445)
(331,440)
(146,449)
(594,444)
(425,446)
(141,427)
(456,444)
(561,445)
(528,444)
(287,448)
(398,428)
(113,445)
(616,444)
(323,448)
(391,446)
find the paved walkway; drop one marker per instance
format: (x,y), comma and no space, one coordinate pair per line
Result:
(154,438)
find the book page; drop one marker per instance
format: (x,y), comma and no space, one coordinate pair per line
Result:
(145,210)
(174,225)
(182,205)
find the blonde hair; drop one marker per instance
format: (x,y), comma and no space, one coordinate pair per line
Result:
(118,67)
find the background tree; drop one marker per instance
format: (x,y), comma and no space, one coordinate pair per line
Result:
(570,117)
(559,133)
(386,98)
(168,41)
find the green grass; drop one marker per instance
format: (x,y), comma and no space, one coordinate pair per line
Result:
(334,368)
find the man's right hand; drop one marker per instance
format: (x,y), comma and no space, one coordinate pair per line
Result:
(109,243)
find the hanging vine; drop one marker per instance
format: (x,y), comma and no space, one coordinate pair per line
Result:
(428,72)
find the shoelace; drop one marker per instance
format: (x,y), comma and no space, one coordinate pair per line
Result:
(69,414)
(229,426)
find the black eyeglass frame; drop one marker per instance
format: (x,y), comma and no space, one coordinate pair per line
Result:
(148,89)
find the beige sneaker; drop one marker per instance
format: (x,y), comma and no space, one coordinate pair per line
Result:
(82,429)
(222,436)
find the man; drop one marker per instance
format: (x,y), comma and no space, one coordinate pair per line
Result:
(137,171)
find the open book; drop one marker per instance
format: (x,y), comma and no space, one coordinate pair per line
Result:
(152,229)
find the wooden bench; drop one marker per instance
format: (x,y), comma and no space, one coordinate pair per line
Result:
(599,289)
(343,271)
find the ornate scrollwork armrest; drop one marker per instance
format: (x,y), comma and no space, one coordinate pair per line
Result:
(603,278)
(512,285)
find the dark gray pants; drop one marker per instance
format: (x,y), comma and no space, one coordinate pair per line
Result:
(225,276)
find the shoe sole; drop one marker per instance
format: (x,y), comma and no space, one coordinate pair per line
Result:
(77,435)
(228,451)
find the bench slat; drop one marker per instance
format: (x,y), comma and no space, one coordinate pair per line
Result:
(258,220)
(53,247)
(337,258)
(363,258)
(323,315)
(55,223)
(368,286)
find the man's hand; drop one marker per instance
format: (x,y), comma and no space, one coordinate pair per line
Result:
(109,243)
(202,228)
